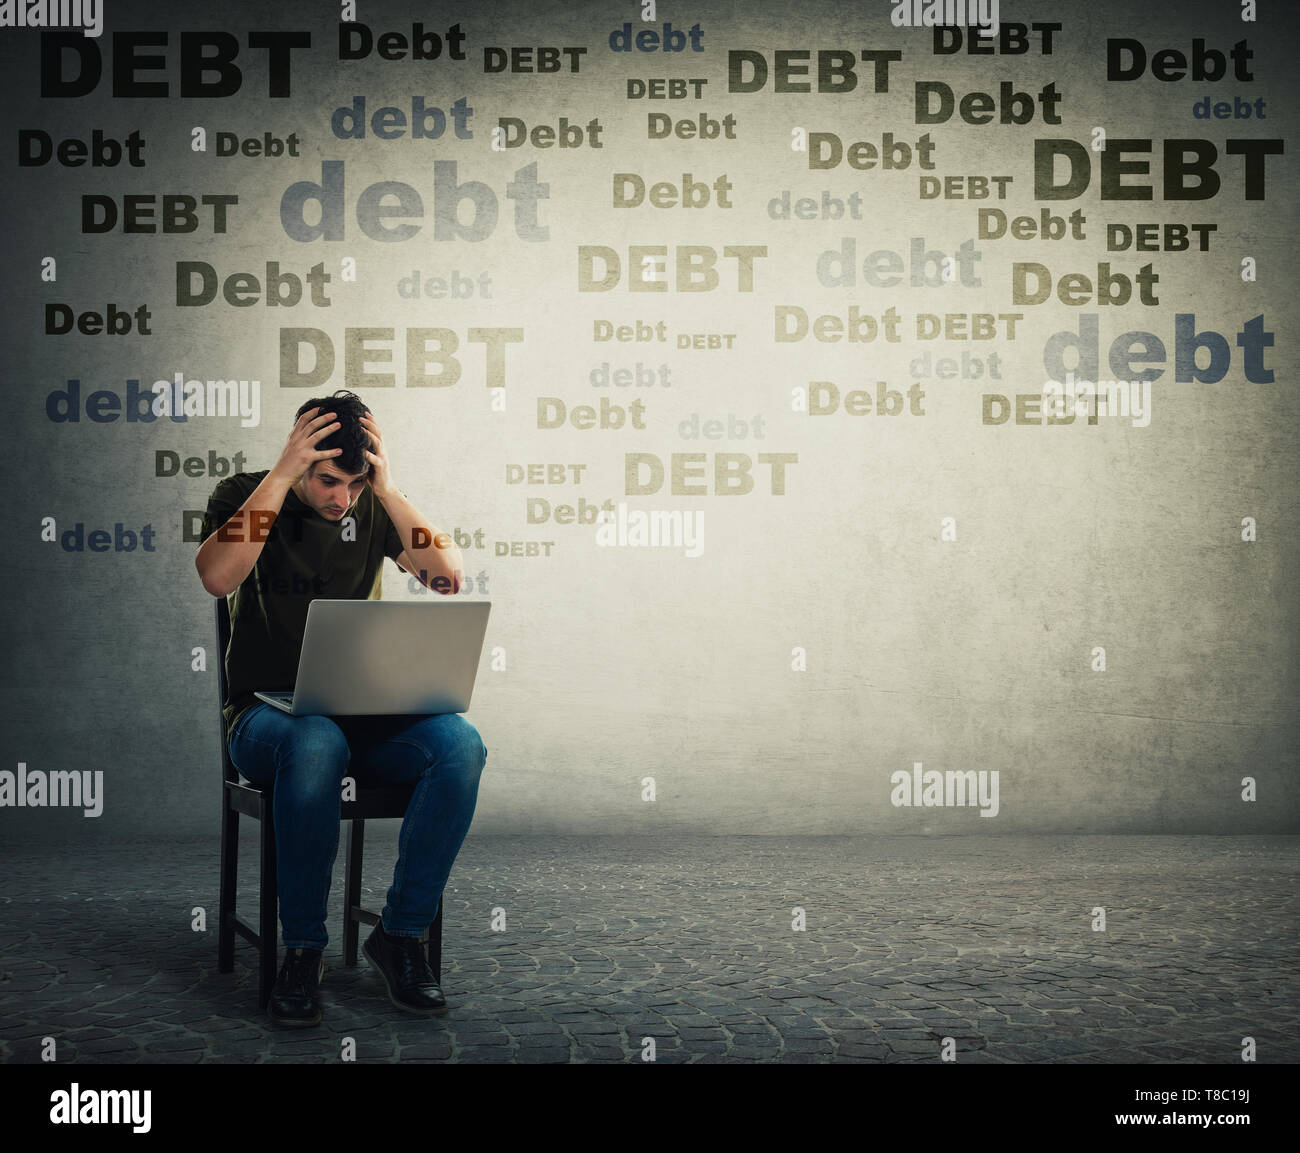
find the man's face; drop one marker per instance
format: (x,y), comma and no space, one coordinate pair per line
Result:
(330,491)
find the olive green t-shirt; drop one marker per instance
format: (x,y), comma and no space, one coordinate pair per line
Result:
(305,558)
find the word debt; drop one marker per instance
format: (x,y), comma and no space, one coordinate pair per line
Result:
(1031,283)
(1060,404)
(791,324)
(630,192)
(551,413)
(824,399)
(75,539)
(178,399)
(644,473)
(73,66)
(1168,237)
(362,346)
(1130,350)
(642,331)
(357,42)
(647,267)
(390,122)
(883,268)
(382,221)
(1188,167)
(36,148)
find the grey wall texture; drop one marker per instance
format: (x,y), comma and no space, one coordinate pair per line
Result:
(817,285)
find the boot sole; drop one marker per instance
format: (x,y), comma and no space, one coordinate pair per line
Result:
(295,1022)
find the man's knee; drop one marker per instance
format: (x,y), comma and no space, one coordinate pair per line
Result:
(320,739)
(472,749)
(458,744)
(317,754)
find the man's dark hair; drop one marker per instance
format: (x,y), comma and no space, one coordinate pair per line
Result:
(350,436)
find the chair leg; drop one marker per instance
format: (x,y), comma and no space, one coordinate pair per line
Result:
(435,945)
(269,909)
(229,880)
(352,890)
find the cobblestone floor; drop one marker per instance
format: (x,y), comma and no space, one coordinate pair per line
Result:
(610,941)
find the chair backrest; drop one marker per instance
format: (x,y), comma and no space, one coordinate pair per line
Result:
(223,642)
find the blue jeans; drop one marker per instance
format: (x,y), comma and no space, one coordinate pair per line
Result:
(307,758)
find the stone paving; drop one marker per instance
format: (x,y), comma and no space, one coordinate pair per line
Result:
(690,942)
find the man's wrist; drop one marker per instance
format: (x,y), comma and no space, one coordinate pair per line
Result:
(273,491)
(279,480)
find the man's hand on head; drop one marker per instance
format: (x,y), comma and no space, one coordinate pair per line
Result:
(427,551)
(300,451)
(380,477)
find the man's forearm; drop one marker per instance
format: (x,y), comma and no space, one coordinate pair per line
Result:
(441,569)
(226,558)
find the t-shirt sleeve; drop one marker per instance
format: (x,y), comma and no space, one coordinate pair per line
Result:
(225,501)
(393,547)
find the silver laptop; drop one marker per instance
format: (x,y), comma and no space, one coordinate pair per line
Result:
(386,657)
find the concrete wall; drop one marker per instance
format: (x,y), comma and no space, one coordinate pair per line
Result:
(935,585)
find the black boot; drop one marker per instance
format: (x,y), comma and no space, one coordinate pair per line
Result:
(295,1000)
(405,969)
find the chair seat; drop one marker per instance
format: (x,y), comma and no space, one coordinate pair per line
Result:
(379,801)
